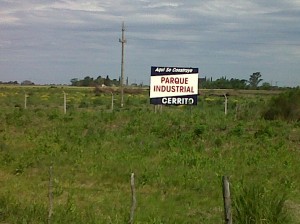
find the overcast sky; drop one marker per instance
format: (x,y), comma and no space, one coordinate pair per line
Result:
(48,41)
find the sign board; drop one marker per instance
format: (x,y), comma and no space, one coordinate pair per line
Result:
(173,85)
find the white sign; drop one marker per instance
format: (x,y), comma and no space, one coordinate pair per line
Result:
(173,85)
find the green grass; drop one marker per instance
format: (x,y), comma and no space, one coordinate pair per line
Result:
(256,204)
(178,156)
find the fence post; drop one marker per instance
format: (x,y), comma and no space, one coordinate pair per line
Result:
(25,101)
(112,101)
(236,111)
(65,102)
(133,199)
(226,103)
(227,200)
(50,195)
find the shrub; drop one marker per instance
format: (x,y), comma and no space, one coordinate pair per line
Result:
(265,132)
(83,104)
(237,130)
(218,142)
(285,106)
(254,204)
(199,130)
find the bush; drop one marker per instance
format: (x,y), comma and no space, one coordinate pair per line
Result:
(285,106)
(265,132)
(237,130)
(199,130)
(254,204)
(83,104)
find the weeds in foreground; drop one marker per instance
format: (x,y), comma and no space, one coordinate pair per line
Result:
(255,204)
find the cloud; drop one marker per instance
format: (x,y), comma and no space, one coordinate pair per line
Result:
(89,6)
(159,18)
(8,19)
(162,5)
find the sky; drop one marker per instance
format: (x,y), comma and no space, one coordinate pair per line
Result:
(53,41)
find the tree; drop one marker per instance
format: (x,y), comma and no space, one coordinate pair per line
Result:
(87,81)
(74,82)
(266,86)
(222,83)
(107,81)
(115,82)
(254,80)
(27,83)
(90,81)
(99,80)
(238,84)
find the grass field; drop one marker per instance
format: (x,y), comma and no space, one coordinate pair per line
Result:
(178,156)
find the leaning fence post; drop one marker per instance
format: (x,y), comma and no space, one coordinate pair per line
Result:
(227,200)
(133,199)
(50,195)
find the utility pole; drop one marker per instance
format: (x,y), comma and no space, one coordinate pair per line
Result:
(122,41)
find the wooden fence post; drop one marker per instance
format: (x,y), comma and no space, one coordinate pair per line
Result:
(112,101)
(50,195)
(227,200)
(226,104)
(25,101)
(65,102)
(133,199)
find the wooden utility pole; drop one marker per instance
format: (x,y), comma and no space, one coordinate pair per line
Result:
(122,41)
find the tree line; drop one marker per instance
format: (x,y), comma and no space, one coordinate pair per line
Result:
(99,81)
(254,82)
(223,83)
(26,82)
